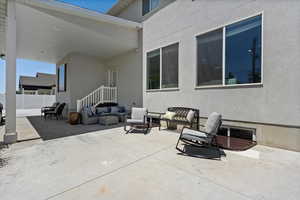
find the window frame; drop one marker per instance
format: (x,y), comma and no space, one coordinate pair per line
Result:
(160,68)
(223,27)
(65,78)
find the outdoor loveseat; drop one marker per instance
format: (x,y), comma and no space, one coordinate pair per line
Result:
(91,115)
(181,117)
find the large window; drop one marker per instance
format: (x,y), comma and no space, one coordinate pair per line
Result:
(162,68)
(231,55)
(62,77)
(149,5)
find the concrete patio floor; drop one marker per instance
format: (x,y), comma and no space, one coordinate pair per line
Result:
(110,165)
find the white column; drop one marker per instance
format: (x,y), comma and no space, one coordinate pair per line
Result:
(11,46)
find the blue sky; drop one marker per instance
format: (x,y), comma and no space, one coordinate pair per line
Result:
(30,68)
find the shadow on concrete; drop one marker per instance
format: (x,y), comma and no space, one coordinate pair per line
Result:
(52,129)
(3,161)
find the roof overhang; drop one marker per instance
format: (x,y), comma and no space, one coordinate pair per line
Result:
(119,7)
(49,30)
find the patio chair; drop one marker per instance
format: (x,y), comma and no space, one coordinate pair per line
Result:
(57,112)
(205,138)
(138,120)
(49,108)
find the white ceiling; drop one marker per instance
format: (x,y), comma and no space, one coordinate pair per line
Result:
(47,34)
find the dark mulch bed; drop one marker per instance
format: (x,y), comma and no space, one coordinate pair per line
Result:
(52,128)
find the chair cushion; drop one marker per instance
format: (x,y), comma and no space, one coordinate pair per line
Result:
(138,113)
(187,131)
(212,123)
(114,109)
(100,110)
(135,121)
(88,111)
(169,115)
(190,116)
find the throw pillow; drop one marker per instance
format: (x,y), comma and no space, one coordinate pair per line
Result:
(89,111)
(190,116)
(93,110)
(169,115)
(101,110)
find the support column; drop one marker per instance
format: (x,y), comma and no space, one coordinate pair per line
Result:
(11,46)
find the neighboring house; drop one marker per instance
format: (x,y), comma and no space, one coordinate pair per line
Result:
(42,83)
(240,58)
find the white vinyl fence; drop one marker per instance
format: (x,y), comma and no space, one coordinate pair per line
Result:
(26,101)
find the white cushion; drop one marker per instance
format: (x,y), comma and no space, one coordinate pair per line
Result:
(138,113)
(190,116)
(194,132)
(212,123)
(135,121)
(169,115)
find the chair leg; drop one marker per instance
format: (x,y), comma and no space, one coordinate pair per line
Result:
(178,147)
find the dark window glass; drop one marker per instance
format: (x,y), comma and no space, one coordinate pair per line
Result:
(243,52)
(154,4)
(146,6)
(241,133)
(209,58)
(149,5)
(153,69)
(61,74)
(170,66)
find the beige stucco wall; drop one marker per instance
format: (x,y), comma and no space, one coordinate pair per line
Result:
(84,74)
(276,101)
(130,76)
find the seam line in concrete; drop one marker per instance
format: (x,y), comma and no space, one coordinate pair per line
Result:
(110,172)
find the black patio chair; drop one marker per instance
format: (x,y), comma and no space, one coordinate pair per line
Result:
(57,112)
(49,108)
(206,138)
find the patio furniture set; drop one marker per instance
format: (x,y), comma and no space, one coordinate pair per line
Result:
(142,119)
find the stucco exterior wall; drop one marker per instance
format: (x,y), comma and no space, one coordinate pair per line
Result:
(130,77)
(276,101)
(84,74)
(134,11)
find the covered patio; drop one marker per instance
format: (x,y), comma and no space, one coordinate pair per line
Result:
(48,31)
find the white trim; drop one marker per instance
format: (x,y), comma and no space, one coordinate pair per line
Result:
(229,23)
(230,86)
(81,12)
(160,68)
(163,90)
(224,53)
(262,48)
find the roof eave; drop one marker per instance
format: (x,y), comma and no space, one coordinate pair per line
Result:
(81,12)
